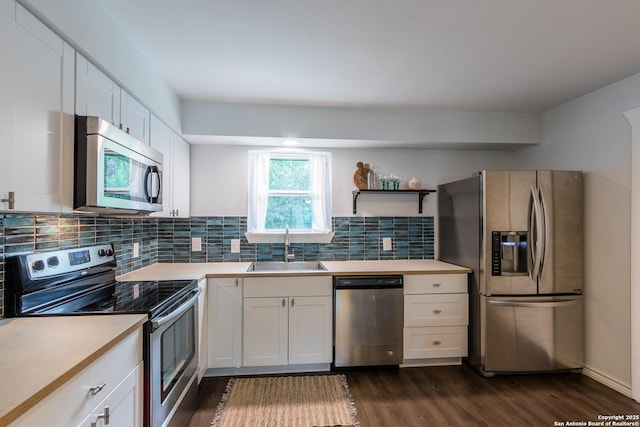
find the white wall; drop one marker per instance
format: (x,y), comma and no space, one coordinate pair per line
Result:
(219,177)
(91,30)
(592,134)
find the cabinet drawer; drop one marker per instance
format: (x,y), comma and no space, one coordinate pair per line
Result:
(72,402)
(436,310)
(435,283)
(297,286)
(435,342)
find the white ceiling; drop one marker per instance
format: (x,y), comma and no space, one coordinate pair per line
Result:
(471,55)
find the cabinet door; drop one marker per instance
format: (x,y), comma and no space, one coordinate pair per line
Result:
(224,323)
(202,328)
(96,94)
(124,404)
(265,331)
(160,139)
(134,117)
(310,330)
(180,165)
(36,130)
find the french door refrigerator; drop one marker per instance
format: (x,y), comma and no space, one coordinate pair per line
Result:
(521,232)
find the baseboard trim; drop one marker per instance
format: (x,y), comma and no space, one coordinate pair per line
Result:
(608,381)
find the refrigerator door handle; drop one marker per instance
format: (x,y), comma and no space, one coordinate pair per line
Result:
(546,237)
(537,241)
(533,304)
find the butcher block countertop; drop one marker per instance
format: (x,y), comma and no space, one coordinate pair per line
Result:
(190,271)
(39,354)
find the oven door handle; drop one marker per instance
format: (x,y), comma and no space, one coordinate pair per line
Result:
(157,323)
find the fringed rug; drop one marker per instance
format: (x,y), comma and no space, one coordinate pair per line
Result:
(292,401)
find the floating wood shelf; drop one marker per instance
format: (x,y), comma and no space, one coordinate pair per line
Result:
(420,193)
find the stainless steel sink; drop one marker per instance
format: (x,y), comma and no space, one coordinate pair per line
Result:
(287,266)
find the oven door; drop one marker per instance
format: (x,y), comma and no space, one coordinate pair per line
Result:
(173,361)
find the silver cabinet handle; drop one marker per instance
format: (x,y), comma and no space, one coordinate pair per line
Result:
(97,389)
(104,415)
(283,303)
(236,283)
(437,342)
(11,200)
(436,311)
(292,302)
(436,285)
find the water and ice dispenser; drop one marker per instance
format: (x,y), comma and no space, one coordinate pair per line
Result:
(509,253)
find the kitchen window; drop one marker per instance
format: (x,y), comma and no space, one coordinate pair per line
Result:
(289,189)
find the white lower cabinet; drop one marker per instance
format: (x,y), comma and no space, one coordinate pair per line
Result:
(224,322)
(436,316)
(287,321)
(113,383)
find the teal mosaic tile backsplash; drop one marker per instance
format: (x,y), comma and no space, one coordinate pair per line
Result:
(169,240)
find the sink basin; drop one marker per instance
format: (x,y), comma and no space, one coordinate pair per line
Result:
(287,266)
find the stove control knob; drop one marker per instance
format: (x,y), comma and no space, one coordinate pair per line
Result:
(102,252)
(109,252)
(53,261)
(37,265)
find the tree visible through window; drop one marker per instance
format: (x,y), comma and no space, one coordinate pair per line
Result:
(289,199)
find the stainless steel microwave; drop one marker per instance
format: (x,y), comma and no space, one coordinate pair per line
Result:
(114,172)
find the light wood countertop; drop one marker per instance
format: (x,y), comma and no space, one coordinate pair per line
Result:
(39,354)
(190,271)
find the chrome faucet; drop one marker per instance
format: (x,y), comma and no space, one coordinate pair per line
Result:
(287,255)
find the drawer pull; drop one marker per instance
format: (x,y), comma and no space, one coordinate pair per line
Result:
(436,285)
(104,416)
(97,389)
(437,342)
(293,301)
(283,302)
(236,283)
(436,311)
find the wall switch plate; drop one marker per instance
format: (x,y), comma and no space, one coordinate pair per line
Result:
(136,249)
(196,244)
(386,243)
(235,246)
(136,291)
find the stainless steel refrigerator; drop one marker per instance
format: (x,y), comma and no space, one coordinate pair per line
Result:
(521,232)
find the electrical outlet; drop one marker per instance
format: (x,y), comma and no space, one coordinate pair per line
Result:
(136,249)
(196,244)
(136,291)
(235,246)
(386,243)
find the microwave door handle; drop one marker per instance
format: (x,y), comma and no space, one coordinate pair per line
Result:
(152,179)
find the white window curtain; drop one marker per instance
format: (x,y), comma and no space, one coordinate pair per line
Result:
(258,186)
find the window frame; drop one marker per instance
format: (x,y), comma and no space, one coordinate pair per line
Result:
(259,192)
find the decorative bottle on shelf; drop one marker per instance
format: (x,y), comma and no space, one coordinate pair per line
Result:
(371,177)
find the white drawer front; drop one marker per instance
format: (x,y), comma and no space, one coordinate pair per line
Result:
(435,283)
(73,401)
(436,310)
(435,342)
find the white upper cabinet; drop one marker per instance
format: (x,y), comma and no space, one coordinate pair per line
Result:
(134,117)
(36,114)
(98,95)
(175,168)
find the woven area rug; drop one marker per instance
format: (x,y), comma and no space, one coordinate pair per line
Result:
(291,401)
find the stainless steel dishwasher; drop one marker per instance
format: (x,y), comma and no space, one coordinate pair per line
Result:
(368,320)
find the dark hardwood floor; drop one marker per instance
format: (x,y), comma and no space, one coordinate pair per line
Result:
(459,396)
